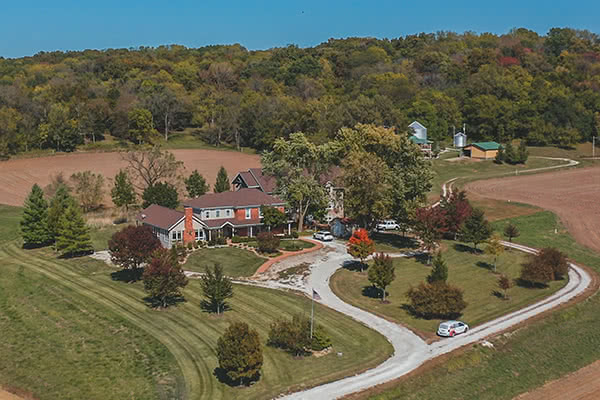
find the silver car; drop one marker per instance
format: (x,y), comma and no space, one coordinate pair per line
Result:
(451,328)
(324,236)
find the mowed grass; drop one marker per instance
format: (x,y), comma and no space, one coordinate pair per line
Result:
(235,262)
(288,244)
(101,235)
(544,350)
(71,332)
(472,272)
(393,242)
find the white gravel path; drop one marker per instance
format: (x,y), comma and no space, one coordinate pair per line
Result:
(410,351)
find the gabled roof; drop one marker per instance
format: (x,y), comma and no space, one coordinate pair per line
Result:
(486,145)
(267,183)
(161,217)
(416,124)
(240,198)
(236,223)
(247,178)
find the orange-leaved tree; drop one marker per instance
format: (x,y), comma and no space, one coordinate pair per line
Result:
(360,246)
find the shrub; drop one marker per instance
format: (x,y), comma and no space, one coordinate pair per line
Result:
(240,354)
(190,246)
(556,260)
(294,335)
(536,273)
(320,340)
(267,242)
(241,239)
(437,300)
(295,234)
(211,242)
(221,241)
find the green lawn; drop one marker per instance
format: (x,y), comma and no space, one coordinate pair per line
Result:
(547,349)
(235,262)
(101,235)
(471,272)
(288,244)
(393,242)
(69,331)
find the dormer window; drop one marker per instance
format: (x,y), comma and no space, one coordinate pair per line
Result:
(248,213)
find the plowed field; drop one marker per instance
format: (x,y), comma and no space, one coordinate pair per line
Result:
(574,195)
(17,176)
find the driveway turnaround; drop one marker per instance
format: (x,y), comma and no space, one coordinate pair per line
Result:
(410,351)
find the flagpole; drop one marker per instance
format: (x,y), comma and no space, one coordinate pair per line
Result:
(312,315)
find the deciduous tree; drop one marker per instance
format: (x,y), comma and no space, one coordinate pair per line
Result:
(34,224)
(504,283)
(557,261)
(89,189)
(437,300)
(217,288)
(272,217)
(381,273)
(141,126)
(495,248)
(240,354)
(162,193)
(132,246)
(457,209)
(360,246)
(163,277)
(511,231)
(430,226)
(148,167)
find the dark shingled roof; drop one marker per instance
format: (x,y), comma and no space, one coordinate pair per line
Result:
(249,179)
(159,216)
(240,198)
(217,223)
(267,183)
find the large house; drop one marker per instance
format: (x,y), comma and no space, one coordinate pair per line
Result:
(255,179)
(210,216)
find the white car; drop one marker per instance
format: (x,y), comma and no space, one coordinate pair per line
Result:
(387,225)
(324,236)
(451,328)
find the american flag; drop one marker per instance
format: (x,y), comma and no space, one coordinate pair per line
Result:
(316,295)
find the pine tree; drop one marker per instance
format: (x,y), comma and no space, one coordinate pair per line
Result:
(60,202)
(216,287)
(510,156)
(196,184)
(439,273)
(239,353)
(222,183)
(476,228)
(34,225)
(122,193)
(163,193)
(73,237)
(522,152)
(499,156)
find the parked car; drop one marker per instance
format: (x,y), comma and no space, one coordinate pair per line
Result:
(451,328)
(387,225)
(324,236)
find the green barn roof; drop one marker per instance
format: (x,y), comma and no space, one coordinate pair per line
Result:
(486,145)
(417,140)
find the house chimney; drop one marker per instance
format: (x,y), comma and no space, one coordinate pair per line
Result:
(188,230)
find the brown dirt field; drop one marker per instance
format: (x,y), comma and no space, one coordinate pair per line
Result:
(574,195)
(4,395)
(17,176)
(581,385)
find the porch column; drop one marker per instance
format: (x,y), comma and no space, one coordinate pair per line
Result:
(289,228)
(250,235)
(232,232)
(209,235)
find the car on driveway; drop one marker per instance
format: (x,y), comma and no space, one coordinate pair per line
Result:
(387,225)
(324,236)
(452,328)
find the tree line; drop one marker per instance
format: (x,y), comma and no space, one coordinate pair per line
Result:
(541,88)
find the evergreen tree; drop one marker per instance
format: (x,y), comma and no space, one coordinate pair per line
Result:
(476,228)
(163,193)
(510,156)
(196,184)
(58,205)
(73,237)
(222,184)
(499,156)
(522,152)
(439,273)
(34,225)
(217,288)
(122,193)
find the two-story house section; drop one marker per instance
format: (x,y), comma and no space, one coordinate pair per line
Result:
(255,179)
(172,226)
(233,213)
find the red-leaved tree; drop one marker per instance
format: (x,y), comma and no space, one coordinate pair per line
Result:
(457,209)
(430,226)
(132,246)
(360,246)
(164,278)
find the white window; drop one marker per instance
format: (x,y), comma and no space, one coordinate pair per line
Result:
(207,215)
(174,235)
(218,213)
(178,235)
(248,213)
(228,212)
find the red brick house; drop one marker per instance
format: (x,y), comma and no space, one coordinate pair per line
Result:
(210,216)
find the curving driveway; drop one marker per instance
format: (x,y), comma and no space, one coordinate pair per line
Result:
(410,351)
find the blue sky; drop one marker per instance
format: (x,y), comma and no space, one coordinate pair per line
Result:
(28,27)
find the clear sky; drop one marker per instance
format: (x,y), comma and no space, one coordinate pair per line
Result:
(30,26)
